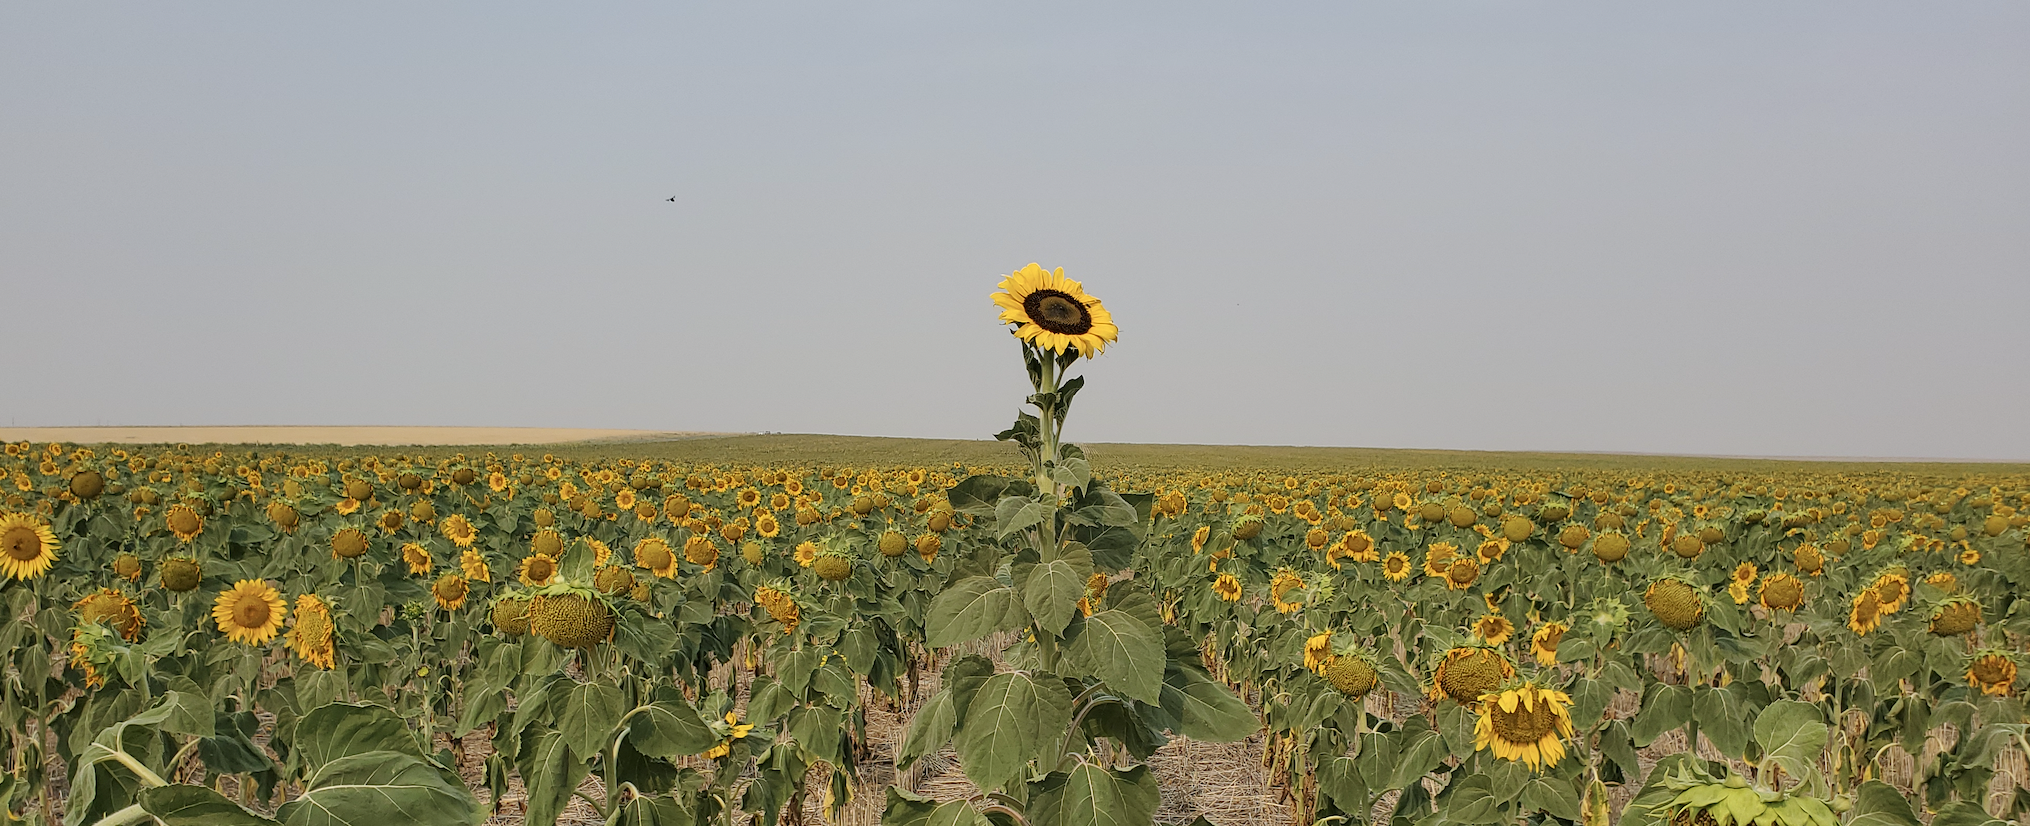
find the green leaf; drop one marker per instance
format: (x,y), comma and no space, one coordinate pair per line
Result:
(1092,795)
(1723,717)
(587,715)
(1123,647)
(1424,751)
(550,772)
(1878,804)
(656,811)
(1667,708)
(377,788)
(1964,813)
(1793,734)
(977,495)
(1014,513)
(929,730)
(906,809)
(196,806)
(186,714)
(973,608)
(1206,709)
(1013,718)
(669,729)
(1470,800)
(341,730)
(1554,795)
(1051,590)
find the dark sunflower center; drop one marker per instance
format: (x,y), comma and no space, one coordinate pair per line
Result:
(451,588)
(183,521)
(1993,670)
(1524,724)
(1552,637)
(1058,312)
(540,569)
(251,612)
(22,543)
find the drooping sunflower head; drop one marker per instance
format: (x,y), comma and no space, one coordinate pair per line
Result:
(128,567)
(1466,673)
(547,542)
(1544,643)
(1782,592)
(474,567)
(1611,547)
(654,554)
(250,612)
(1462,573)
(114,608)
(180,574)
(578,618)
(1054,313)
(832,564)
(1285,590)
(1525,723)
(1866,615)
(1992,671)
(310,631)
(1892,587)
(1227,587)
(928,545)
(458,529)
(1675,603)
(27,545)
(1810,560)
(1351,672)
(511,614)
(417,558)
(700,551)
(613,581)
(1955,616)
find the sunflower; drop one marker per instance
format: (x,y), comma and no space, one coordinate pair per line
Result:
(1544,643)
(458,529)
(1396,566)
(390,521)
(547,542)
(699,550)
(1054,313)
(1461,574)
(1993,672)
(1285,582)
(1438,558)
(806,553)
(310,633)
(1317,650)
(180,574)
(27,546)
(474,566)
(128,567)
(1525,723)
(1468,672)
(250,612)
(1227,587)
(600,552)
(767,526)
(348,543)
(110,606)
(1358,546)
(184,522)
(733,730)
(1893,589)
(449,591)
(1782,592)
(1494,628)
(537,570)
(1867,612)
(417,557)
(347,506)
(927,546)
(1491,551)
(655,555)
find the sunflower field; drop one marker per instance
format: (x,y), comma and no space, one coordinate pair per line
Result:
(225,636)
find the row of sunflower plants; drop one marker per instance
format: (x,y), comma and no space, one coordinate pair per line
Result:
(1779,643)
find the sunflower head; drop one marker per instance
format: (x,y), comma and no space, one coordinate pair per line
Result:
(184,521)
(348,543)
(1227,587)
(1352,672)
(27,545)
(537,570)
(1866,615)
(1495,629)
(310,631)
(1782,592)
(1610,547)
(180,574)
(114,608)
(1955,616)
(1054,313)
(655,555)
(128,567)
(417,558)
(1993,672)
(1524,723)
(250,612)
(1675,603)
(1397,566)
(1466,673)
(511,614)
(473,565)
(570,616)
(449,591)
(1544,643)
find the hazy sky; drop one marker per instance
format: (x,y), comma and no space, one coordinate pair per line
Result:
(1740,228)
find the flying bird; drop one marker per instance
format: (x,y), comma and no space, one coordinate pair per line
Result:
(673,199)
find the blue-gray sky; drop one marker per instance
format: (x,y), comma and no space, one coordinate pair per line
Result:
(1735,227)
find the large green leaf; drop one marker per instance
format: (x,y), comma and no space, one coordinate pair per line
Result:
(1879,804)
(973,608)
(196,806)
(1723,717)
(1793,734)
(343,729)
(1014,513)
(669,729)
(906,809)
(929,730)
(587,715)
(550,772)
(1555,795)
(1013,718)
(1051,590)
(1665,708)
(1092,795)
(378,788)
(656,811)
(1423,751)
(1122,646)
(1206,709)
(977,495)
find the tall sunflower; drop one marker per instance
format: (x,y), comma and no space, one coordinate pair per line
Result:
(183,521)
(1054,313)
(1544,643)
(654,554)
(458,529)
(474,566)
(251,612)
(1396,566)
(537,569)
(114,608)
(27,546)
(1525,723)
(449,591)
(417,558)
